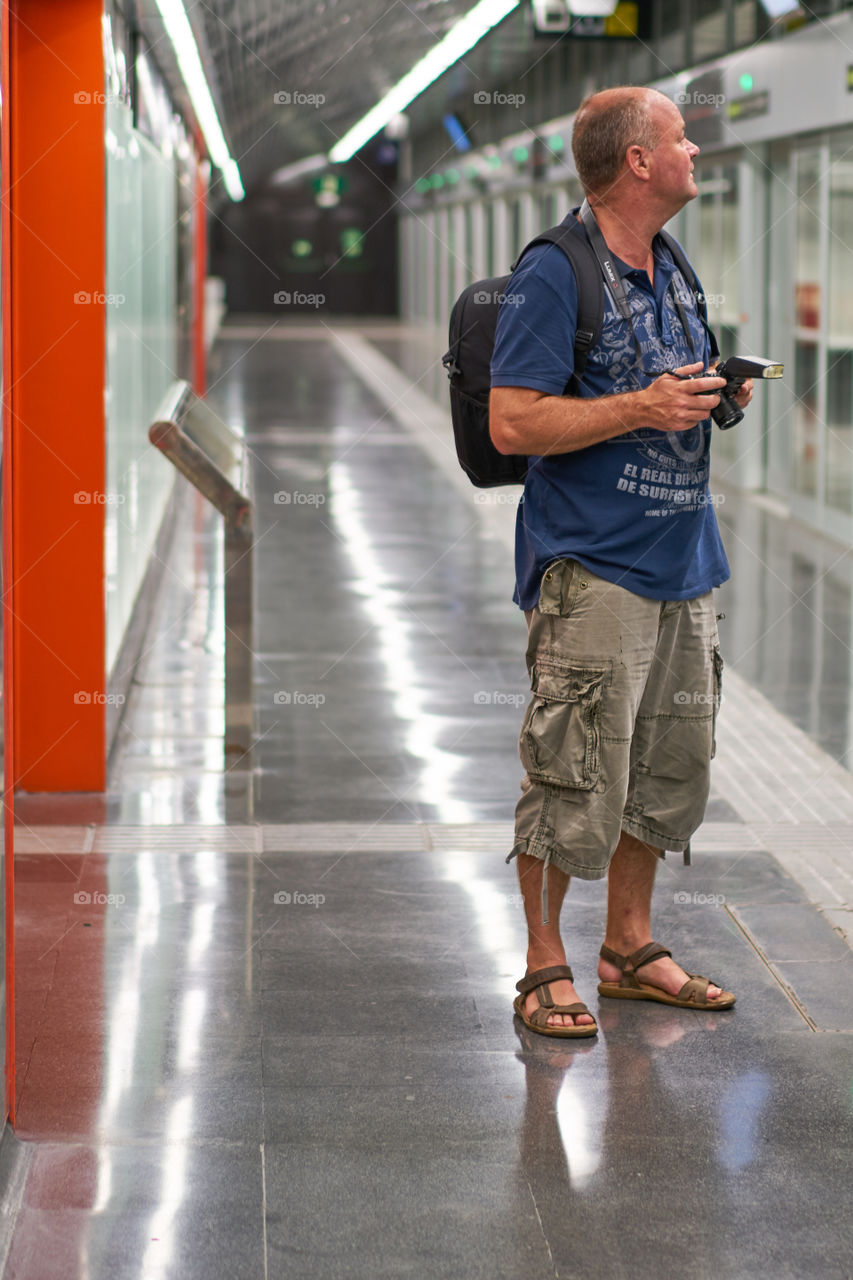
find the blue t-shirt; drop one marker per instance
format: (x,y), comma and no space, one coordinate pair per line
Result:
(634,509)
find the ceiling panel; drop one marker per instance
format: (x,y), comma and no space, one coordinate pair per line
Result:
(334,59)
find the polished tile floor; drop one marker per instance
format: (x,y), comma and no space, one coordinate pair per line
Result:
(264,1015)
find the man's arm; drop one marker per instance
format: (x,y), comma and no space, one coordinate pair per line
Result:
(525,421)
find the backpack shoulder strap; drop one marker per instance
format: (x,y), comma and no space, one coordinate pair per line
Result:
(680,259)
(572,239)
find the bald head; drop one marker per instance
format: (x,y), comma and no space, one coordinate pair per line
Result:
(606,125)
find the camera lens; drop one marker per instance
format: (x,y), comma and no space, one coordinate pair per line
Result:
(727,413)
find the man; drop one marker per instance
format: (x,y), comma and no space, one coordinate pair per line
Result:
(617,552)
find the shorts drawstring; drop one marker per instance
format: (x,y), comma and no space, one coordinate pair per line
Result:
(522,848)
(545,887)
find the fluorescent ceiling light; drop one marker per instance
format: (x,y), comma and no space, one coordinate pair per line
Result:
(778,8)
(592,8)
(186,51)
(467,32)
(298,169)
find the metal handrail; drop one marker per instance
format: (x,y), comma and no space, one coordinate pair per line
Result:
(215,461)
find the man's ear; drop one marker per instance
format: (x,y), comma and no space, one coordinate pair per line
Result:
(635,158)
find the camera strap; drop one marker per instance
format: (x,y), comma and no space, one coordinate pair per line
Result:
(613,278)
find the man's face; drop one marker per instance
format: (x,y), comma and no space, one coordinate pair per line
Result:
(672,158)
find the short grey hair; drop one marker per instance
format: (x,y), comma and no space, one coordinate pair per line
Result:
(606,125)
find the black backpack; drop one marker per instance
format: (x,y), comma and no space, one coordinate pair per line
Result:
(473,322)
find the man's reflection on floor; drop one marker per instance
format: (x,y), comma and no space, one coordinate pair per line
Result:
(628,1128)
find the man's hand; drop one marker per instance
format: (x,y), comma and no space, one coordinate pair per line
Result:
(677,402)
(744,395)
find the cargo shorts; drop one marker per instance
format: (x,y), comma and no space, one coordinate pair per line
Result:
(619,732)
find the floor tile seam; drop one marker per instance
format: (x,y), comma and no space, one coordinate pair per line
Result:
(544,1234)
(264,1197)
(138,1142)
(749,904)
(486,836)
(786,989)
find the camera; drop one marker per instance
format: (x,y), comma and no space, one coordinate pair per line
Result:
(736,370)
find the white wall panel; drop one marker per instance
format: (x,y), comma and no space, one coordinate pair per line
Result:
(140,277)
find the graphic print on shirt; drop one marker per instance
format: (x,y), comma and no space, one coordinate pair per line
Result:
(672,472)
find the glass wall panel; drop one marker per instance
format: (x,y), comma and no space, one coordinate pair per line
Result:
(806,426)
(841,245)
(141,354)
(490,237)
(547,213)
(438,262)
(779,438)
(838,453)
(726,313)
(447,249)
(715,256)
(838,446)
(515,245)
(808,279)
(807,266)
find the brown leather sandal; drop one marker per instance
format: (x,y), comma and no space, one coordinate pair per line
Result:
(693,995)
(538,1019)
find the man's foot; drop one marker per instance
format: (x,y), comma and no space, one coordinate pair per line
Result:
(562,992)
(663,972)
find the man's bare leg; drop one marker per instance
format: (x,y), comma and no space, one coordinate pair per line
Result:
(630,881)
(544,945)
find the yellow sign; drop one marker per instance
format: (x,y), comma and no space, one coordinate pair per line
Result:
(623,20)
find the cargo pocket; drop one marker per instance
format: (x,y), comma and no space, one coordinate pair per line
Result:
(718,690)
(560,739)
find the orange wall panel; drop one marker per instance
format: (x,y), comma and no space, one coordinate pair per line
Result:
(56,392)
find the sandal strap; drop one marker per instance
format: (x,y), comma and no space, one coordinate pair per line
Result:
(540,1015)
(696,989)
(643,955)
(533,980)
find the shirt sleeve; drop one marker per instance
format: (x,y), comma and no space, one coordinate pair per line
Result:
(537,321)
